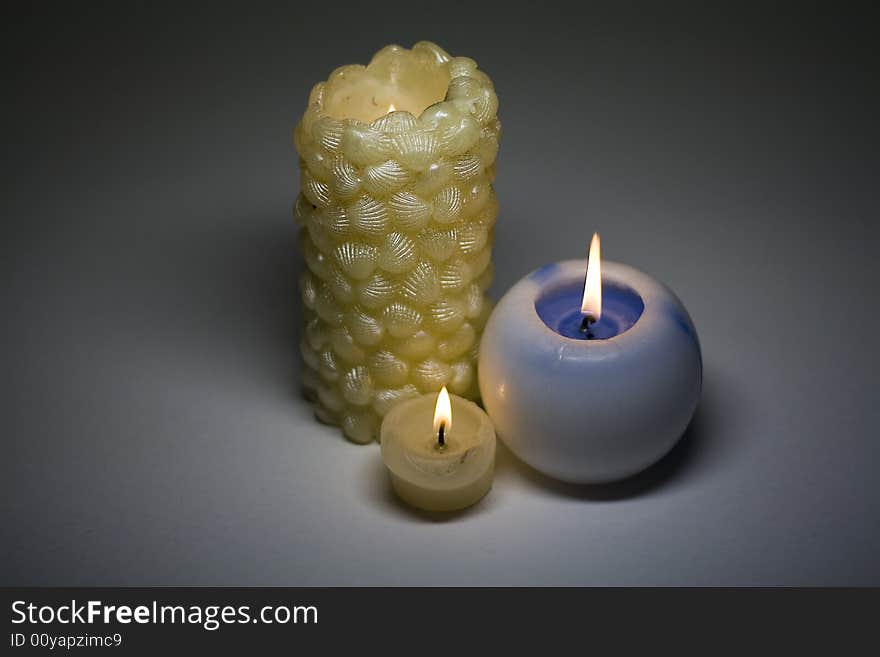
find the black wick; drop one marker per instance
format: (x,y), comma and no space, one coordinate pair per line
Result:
(441,438)
(585,326)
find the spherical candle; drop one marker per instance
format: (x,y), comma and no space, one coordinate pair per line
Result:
(396,210)
(439,451)
(590,402)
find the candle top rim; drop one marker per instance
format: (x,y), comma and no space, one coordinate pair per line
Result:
(405,449)
(470,91)
(462,408)
(658,300)
(553,277)
(621,301)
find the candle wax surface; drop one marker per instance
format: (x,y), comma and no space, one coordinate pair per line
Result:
(367,99)
(560,309)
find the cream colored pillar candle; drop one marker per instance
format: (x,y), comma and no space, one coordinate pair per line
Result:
(396,213)
(439,451)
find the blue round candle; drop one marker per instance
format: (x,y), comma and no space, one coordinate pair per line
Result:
(590,408)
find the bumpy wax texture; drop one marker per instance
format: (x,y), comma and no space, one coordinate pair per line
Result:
(396,224)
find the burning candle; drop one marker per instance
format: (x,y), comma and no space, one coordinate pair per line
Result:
(590,376)
(437,464)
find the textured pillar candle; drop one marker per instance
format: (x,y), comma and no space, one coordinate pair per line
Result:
(396,213)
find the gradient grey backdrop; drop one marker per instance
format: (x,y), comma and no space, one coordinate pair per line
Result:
(152,429)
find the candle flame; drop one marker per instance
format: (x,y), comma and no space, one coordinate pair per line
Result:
(391,108)
(592,302)
(443,412)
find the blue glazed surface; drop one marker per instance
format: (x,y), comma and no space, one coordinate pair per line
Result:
(560,309)
(544,273)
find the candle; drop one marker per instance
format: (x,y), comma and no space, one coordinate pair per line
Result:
(590,376)
(437,464)
(396,212)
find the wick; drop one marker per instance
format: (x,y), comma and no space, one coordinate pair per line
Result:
(585,326)
(441,438)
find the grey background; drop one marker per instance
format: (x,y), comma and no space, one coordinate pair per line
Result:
(152,428)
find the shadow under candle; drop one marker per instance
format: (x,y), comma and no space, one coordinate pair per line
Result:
(705,444)
(705,441)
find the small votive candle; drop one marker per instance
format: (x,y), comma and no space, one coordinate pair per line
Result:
(437,464)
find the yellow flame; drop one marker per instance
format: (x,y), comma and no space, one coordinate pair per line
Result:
(592,301)
(391,108)
(443,412)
